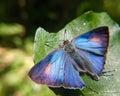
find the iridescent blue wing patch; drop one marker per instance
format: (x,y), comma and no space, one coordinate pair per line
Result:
(56,70)
(95,41)
(92,46)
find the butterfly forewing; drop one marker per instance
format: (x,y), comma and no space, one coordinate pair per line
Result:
(95,41)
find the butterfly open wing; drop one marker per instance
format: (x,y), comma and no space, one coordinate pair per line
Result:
(57,70)
(93,46)
(95,41)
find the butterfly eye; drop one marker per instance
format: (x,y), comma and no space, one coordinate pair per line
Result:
(66,42)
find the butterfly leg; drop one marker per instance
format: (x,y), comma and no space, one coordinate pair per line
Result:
(48,45)
(105,73)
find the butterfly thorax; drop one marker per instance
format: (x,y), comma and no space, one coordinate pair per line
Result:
(68,47)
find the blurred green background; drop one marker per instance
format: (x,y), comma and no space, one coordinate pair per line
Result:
(19,20)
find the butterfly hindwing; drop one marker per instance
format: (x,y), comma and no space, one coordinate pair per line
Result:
(71,76)
(56,70)
(94,63)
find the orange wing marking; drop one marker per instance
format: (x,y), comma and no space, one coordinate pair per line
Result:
(47,69)
(94,39)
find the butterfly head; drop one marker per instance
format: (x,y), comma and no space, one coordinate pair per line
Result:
(66,42)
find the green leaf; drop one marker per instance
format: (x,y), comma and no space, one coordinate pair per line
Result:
(46,42)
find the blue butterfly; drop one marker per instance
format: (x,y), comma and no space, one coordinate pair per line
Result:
(84,54)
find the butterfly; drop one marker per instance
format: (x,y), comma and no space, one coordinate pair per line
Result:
(63,67)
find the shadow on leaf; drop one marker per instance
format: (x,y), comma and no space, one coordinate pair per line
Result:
(66,92)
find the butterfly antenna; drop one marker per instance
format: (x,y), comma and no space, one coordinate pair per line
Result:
(65,35)
(48,45)
(106,73)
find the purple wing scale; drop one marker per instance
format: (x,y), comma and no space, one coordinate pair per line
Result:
(56,70)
